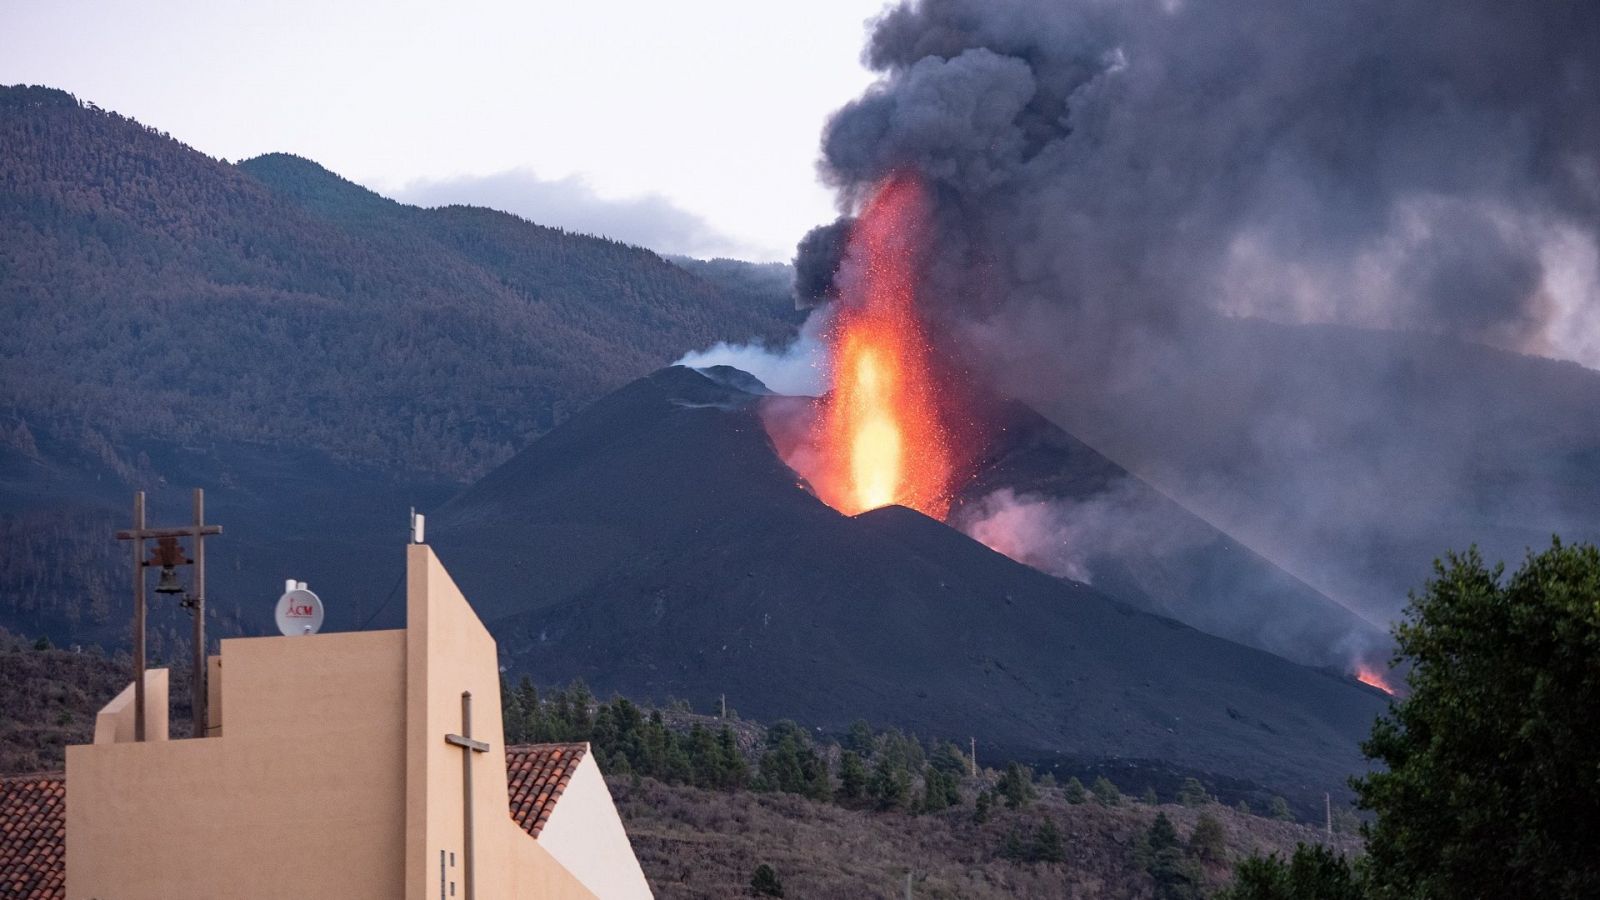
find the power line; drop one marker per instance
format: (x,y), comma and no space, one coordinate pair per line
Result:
(385,602)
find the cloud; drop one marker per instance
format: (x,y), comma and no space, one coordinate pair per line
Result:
(572,203)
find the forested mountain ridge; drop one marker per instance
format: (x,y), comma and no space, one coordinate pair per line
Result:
(317,357)
(155,292)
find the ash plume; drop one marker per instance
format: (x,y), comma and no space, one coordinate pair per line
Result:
(1142,208)
(817,261)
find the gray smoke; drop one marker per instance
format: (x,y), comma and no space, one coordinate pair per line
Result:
(1066,537)
(817,261)
(1254,249)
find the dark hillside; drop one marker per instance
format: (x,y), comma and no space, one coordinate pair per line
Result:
(656,546)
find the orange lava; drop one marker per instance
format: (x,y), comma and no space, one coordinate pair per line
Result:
(1367,675)
(880,434)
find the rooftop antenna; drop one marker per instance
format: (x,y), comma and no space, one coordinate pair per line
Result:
(419,523)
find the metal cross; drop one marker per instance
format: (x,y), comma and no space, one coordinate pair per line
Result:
(468,747)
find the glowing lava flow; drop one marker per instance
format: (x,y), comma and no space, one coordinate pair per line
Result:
(1367,675)
(880,433)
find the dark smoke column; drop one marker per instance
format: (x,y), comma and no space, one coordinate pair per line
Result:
(1113,170)
(1129,199)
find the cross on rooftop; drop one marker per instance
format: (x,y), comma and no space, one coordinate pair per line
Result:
(468,746)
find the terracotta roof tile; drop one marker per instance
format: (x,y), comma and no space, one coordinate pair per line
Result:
(33,815)
(536,774)
(33,821)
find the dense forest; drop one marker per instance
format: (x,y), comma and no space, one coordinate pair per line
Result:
(153,291)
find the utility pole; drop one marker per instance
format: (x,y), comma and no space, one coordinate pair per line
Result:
(724,700)
(1327,806)
(972,762)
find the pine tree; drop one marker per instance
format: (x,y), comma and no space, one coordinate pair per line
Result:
(735,772)
(765,883)
(1176,877)
(1162,834)
(1014,847)
(705,758)
(852,777)
(1345,820)
(1074,792)
(1192,793)
(532,712)
(581,725)
(890,785)
(1106,792)
(860,738)
(981,807)
(1208,841)
(936,790)
(512,716)
(1279,809)
(1016,785)
(1313,873)
(1047,845)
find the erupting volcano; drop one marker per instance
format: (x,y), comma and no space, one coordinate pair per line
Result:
(880,435)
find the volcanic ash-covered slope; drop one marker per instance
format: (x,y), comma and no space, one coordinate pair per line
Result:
(656,546)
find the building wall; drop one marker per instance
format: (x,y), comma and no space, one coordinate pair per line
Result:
(115,721)
(585,834)
(302,796)
(449,651)
(329,776)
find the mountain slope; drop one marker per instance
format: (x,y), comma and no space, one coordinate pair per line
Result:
(315,356)
(154,291)
(657,546)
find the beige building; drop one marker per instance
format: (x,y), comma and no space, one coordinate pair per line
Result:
(356,765)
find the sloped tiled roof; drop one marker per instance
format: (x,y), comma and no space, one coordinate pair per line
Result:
(33,815)
(536,774)
(33,822)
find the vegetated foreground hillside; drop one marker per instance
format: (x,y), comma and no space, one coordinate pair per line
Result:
(656,546)
(707,844)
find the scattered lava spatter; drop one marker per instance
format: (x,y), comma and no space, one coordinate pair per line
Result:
(880,433)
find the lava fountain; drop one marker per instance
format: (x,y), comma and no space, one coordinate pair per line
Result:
(879,436)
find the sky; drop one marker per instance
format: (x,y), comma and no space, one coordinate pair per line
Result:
(690,127)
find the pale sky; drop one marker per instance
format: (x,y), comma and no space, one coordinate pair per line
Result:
(692,126)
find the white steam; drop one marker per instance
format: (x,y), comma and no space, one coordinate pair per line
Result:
(799,369)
